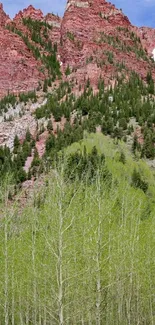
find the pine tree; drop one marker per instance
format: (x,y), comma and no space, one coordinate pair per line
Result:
(148,147)
(16,144)
(28,135)
(49,126)
(122,158)
(45,86)
(135,144)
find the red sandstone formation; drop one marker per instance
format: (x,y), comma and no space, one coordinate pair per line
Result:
(35,14)
(147,36)
(55,22)
(88,32)
(4,19)
(18,68)
(83,28)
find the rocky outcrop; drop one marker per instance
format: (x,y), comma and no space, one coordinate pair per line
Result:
(94,39)
(19,70)
(20,123)
(147,36)
(55,22)
(35,14)
(4,18)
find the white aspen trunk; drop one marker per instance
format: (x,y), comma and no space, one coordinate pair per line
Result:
(6,279)
(98,257)
(138,298)
(13,298)
(34,271)
(60,251)
(27,309)
(40,315)
(98,281)
(20,309)
(60,261)
(109,303)
(133,241)
(45,311)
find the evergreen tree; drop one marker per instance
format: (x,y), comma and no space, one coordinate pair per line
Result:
(122,158)
(45,86)
(28,135)
(148,147)
(16,144)
(49,126)
(135,144)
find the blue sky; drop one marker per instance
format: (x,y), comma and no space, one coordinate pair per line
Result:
(140,12)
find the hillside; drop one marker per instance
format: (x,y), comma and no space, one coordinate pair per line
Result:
(82,251)
(77,159)
(93,41)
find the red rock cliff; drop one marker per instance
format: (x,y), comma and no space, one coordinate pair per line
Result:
(35,14)
(94,39)
(3,17)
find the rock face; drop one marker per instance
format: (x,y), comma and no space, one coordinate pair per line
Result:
(4,19)
(19,125)
(20,71)
(147,36)
(97,39)
(94,39)
(35,14)
(18,68)
(55,22)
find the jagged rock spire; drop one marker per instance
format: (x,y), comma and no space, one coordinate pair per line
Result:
(4,18)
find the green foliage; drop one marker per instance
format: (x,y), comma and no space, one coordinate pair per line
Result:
(123,123)
(138,182)
(25,97)
(81,232)
(54,106)
(85,166)
(16,144)
(70,36)
(12,163)
(148,149)
(49,126)
(39,41)
(68,71)
(28,136)
(135,144)
(130,99)
(131,43)
(45,86)
(36,25)
(122,158)
(110,57)
(10,99)
(64,138)
(150,83)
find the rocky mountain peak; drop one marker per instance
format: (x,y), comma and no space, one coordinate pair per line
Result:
(31,12)
(94,39)
(4,18)
(104,8)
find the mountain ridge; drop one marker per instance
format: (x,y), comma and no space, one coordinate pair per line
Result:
(92,24)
